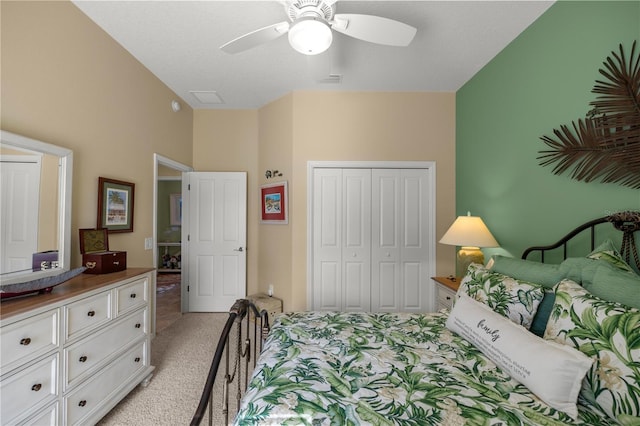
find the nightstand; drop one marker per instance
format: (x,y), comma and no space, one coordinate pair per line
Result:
(447,288)
(273,305)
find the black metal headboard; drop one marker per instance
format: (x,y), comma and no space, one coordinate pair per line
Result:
(628,222)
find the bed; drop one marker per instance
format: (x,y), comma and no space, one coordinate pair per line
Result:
(526,343)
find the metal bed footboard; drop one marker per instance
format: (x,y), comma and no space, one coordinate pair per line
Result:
(242,309)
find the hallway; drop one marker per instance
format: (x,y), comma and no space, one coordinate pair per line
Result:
(167,300)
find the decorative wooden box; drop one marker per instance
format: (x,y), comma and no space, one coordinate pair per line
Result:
(96,257)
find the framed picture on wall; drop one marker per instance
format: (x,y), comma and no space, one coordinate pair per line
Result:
(175,209)
(274,203)
(115,205)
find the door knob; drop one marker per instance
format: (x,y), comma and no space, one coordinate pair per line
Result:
(238,249)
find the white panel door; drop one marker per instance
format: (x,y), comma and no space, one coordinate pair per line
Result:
(342,240)
(216,263)
(327,240)
(386,218)
(356,239)
(20,192)
(372,239)
(401,240)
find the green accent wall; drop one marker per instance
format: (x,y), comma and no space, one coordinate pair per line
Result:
(167,232)
(541,80)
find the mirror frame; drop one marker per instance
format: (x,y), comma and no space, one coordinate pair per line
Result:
(65,175)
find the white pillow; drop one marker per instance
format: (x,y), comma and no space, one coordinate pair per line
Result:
(552,371)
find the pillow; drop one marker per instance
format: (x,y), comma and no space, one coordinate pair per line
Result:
(608,332)
(515,299)
(613,284)
(575,268)
(540,319)
(604,279)
(607,251)
(552,371)
(545,274)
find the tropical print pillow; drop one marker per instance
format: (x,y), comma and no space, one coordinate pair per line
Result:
(608,252)
(515,299)
(608,332)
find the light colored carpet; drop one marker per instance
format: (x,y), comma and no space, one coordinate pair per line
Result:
(182,355)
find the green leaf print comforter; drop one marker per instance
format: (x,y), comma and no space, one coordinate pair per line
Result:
(320,368)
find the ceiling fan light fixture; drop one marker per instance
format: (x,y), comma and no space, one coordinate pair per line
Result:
(310,35)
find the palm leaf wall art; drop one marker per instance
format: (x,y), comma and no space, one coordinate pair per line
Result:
(605,145)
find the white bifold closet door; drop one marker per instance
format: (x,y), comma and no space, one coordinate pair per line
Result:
(371,240)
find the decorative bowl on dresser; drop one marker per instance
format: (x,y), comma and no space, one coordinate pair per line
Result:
(68,357)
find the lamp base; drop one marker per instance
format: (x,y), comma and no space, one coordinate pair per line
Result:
(466,256)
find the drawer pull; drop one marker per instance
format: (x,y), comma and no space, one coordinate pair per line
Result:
(116,263)
(448,297)
(25,341)
(82,403)
(36,387)
(83,358)
(91,313)
(137,359)
(138,325)
(133,295)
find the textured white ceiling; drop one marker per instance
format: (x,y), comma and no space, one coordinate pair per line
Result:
(179,42)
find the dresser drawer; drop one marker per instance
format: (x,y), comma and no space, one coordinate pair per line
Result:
(132,296)
(46,417)
(83,356)
(29,389)
(27,339)
(82,403)
(87,314)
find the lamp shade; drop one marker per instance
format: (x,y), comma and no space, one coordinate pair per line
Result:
(310,36)
(469,231)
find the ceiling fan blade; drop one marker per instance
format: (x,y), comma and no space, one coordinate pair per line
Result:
(255,38)
(374,29)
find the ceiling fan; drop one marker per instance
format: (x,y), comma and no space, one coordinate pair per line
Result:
(310,28)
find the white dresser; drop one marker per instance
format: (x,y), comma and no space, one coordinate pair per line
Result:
(69,357)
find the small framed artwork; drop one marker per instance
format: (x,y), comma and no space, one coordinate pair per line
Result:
(274,203)
(175,209)
(115,205)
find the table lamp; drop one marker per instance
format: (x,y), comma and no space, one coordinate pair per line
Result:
(470,233)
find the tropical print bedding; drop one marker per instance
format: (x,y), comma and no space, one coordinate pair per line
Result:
(385,369)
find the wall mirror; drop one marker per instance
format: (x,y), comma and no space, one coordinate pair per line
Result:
(35,208)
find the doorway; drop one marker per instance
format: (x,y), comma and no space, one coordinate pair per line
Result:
(167,241)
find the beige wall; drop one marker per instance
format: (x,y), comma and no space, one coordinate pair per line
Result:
(317,126)
(227,141)
(276,257)
(66,82)
(350,126)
